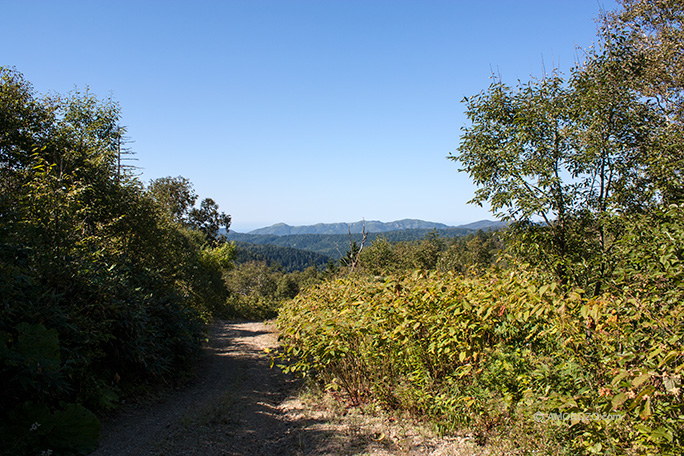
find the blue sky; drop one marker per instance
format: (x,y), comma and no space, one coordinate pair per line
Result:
(298,111)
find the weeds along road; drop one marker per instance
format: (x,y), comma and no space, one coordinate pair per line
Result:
(238,405)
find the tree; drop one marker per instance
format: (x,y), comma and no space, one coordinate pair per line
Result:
(175,195)
(566,161)
(644,42)
(351,259)
(517,150)
(429,249)
(380,257)
(24,121)
(209,220)
(94,282)
(482,248)
(559,160)
(646,37)
(517,147)
(288,287)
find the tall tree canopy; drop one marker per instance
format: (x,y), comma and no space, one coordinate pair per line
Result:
(565,159)
(99,291)
(645,42)
(176,197)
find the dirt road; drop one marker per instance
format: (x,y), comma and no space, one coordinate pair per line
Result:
(238,405)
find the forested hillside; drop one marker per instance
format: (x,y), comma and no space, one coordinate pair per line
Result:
(561,333)
(286,257)
(336,245)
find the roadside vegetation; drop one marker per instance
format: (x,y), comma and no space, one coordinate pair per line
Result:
(105,285)
(565,336)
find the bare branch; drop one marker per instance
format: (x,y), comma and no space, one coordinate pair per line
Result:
(355,254)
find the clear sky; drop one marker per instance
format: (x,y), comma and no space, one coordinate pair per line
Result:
(298,111)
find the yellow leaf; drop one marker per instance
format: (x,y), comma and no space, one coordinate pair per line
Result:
(574,418)
(619,400)
(640,380)
(646,409)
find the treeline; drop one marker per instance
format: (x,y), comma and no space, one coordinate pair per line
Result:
(476,251)
(571,341)
(335,246)
(257,290)
(329,245)
(287,258)
(105,285)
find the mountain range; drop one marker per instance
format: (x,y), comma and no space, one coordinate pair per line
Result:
(371,226)
(331,241)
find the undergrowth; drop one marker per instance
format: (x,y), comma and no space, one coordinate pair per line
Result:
(499,352)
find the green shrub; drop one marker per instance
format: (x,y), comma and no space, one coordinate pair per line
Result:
(100,292)
(499,348)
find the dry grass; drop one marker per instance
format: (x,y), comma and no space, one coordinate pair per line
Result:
(367,430)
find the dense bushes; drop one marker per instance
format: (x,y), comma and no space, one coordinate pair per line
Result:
(507,350)
(100,291)
(478,250)
(499,350)
(256,289)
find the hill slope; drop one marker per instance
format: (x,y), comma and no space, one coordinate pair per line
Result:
(372,226)
(336,245)
(289,258)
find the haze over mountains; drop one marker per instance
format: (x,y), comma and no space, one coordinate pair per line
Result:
(372,226)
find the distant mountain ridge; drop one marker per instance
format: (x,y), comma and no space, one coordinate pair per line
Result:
(335,245)
(484,225)
(372,226)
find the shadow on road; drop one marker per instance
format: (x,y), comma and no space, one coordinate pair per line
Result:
(233,407)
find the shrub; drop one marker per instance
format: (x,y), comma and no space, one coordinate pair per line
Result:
(495,349)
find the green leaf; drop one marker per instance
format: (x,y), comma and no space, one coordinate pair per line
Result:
(646,391)
(619,377)
(646,409)
(662,433)
(38,346)
(76,428)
